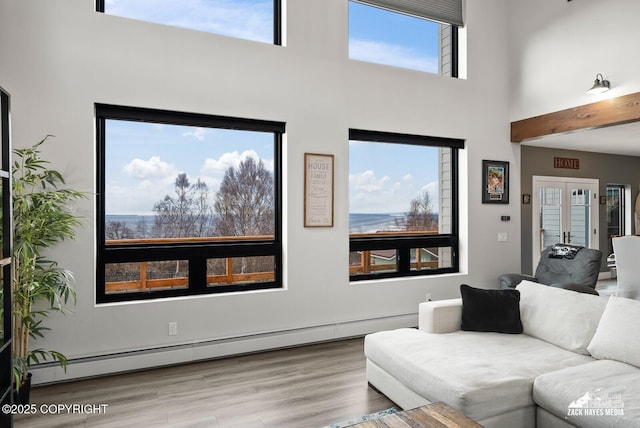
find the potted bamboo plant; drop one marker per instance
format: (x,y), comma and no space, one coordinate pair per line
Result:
(42,218)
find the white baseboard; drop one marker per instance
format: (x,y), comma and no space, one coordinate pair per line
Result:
(197,351)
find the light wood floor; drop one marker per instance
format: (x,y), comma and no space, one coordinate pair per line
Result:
(309,386)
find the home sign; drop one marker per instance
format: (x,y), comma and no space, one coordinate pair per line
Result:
(566,163)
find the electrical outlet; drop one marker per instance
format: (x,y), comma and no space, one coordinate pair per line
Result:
(503,237)
(173,328)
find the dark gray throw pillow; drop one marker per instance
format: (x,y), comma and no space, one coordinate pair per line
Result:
(490,310)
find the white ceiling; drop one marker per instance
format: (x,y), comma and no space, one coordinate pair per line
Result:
(619,139)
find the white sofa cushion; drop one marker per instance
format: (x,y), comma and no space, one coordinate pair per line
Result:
(591,395)
(440,316)
(480,374)
(617,336)
(627,251)
(566,318)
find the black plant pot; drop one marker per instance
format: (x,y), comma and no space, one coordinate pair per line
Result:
(21,395)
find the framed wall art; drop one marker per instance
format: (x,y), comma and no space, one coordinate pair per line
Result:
(318,190)
(495,182)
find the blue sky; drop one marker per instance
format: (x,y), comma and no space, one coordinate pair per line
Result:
(394,39)
(384,177)
(143,160)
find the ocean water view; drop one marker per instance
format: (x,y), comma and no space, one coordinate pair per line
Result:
(358,222)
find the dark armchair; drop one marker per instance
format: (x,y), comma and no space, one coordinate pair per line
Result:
(563,266)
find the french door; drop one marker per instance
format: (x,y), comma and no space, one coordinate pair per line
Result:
(565,210)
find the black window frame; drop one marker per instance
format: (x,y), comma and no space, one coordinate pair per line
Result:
(277,20)
(196,253)
(404,244)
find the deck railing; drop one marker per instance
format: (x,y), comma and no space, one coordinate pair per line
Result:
(144,283)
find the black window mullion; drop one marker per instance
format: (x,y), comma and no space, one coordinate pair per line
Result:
(277,22)
(372,243)
(399,138)
(139,114)
(454,52)
(197,272)
(124,254)
(403,260)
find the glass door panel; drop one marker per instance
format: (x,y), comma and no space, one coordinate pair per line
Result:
(550,216)
(564,212)
(578,233)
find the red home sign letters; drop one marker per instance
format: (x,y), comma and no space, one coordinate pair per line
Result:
(566,163)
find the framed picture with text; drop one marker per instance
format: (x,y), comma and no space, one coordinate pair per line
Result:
(495,182)
(318,190)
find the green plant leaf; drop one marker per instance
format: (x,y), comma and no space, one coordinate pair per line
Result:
(42,219)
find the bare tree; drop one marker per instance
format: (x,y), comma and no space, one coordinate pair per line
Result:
(421,216)
(187,214)
(203,213)
(117,230)
(245,202)
(142,228)
(245,207)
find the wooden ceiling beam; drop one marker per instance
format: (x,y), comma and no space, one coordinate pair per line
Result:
(615,111)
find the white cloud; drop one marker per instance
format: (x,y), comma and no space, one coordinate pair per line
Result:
(367,181)
(370,194)
(390,54)
(433,188)
(135,199)
(197,133)
(154,168)
(232,159)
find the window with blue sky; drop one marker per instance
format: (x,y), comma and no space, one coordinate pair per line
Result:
(188,203)
(375,35)
(384,37)
(384,178)
(144,159)
(402,204)
(245,19)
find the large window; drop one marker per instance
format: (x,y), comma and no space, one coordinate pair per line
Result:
(385,33)
(257,20)
(403,204)
(188,204)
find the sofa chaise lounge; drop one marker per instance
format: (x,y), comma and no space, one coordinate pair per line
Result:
(576,362)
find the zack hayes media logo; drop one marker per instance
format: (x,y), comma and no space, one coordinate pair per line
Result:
(597,403)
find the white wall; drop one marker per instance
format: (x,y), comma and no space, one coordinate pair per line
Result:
(59,58)
(558,47)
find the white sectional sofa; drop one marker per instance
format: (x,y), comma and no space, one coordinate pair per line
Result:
(576,362)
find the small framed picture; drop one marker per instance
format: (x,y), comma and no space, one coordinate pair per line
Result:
(495,182)
(318,190)
(603,200)
(526,199)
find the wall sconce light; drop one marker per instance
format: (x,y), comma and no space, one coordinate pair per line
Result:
(600,85)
